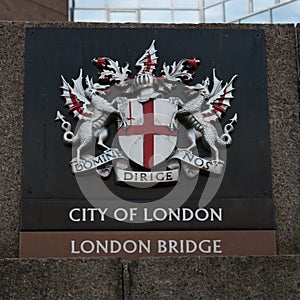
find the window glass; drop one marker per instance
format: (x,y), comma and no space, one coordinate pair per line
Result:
(122,16)
(288,13)
(210,2)
(186,4)
(89,16)
(263,17)
(262,4)
(214,14)
(90,3)
(121,3)
(236,9)
(186,16)
(156,3)
(156,16)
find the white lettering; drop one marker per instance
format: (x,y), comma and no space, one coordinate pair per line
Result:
(205,217)
(142,245)
(73,251)
(218,215)
(185,213)
(102,213)
(207,249)
(121,214)
(173,214)
(188,246)
(89,249)
(160,214)
(161,246)
(100,245)
(71,217)
(92,215)
(172,246)
(139,246)
(115,246)
(146,218)
(126,246)
(83,215)
(217,246)
(132,213)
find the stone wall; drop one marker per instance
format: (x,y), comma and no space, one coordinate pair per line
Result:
(276,277)
(184,278)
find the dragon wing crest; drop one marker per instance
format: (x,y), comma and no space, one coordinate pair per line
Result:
(219,98)
(148,60)
(75,98)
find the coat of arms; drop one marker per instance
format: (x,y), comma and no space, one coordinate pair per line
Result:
(149,114)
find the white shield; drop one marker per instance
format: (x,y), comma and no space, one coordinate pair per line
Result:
(148,140)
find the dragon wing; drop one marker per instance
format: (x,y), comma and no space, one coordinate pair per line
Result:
(148,61)
(219,98)
(75,98)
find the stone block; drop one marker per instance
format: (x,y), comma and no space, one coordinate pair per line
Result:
(60,279)
(273,277)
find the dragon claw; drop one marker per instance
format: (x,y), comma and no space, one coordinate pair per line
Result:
(77,160)
(171,127)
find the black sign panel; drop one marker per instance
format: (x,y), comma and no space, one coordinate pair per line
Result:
(51,196)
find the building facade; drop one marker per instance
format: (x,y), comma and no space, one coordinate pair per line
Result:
(185,11)
(34,10)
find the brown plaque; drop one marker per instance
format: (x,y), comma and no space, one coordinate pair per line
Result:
(135,244)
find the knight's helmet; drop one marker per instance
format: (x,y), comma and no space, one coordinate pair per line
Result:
(147,64)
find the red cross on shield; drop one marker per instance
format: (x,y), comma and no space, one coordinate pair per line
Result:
(148,140)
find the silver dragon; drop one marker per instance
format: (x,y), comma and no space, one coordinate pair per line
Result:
(203,109)
(93,111)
